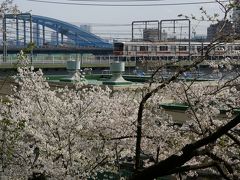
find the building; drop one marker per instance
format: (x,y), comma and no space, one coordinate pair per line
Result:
(154,35)
(236,17)
(213,31)
(199,38)
(150,34)
(86,27)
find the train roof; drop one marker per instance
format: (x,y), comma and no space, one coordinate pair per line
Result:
(170,43)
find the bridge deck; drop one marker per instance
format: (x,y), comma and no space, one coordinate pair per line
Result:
(59,50)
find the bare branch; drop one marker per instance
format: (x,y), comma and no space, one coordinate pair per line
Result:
(237,141)
(192,167)
(188,152)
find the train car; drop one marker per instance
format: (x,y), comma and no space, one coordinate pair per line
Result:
(170,50)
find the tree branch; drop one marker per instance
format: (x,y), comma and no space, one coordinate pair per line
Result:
(232,137)
(188,152)
(192,167)
(218,159)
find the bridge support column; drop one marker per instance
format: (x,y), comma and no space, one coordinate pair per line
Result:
(81,60)
(37,35)
(57,34)
(17,32)
(24,33)
(61,38)
(31,39)
(43,34)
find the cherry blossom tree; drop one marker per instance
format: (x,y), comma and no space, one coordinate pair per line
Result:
(206,121)
(81,131)
(8,6)
(73,132)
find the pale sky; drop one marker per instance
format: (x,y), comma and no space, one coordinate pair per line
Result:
(117,15)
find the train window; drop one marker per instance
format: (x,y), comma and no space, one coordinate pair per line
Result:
(192,48)
(205,48)
(126,48)
(220,48)
(236,47)
(182,48)
(143,48)
(163,48)
(199,48)
(118,47)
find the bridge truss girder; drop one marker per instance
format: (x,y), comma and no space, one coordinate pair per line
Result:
(80,37)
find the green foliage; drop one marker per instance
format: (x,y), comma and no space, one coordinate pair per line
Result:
(29,48)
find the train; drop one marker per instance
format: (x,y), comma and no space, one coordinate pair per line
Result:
(175,49)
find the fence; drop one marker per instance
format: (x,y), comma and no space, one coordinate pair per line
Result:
(56,59)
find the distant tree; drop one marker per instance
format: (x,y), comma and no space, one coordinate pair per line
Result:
(7,6)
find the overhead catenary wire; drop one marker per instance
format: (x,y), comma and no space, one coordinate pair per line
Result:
(116,0)
(105,24)
(127,5)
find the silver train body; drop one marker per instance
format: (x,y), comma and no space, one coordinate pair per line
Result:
(181,50)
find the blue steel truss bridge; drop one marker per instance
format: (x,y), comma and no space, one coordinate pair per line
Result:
(48,36)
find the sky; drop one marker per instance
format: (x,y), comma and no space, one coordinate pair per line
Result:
(99,15)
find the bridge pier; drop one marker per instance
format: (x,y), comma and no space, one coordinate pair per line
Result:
(24,34)
(43,28)
(17,32)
